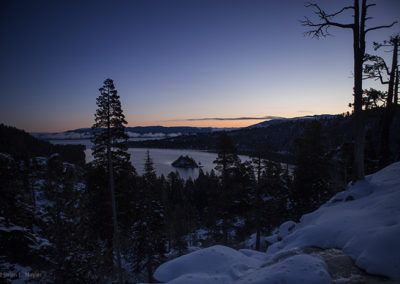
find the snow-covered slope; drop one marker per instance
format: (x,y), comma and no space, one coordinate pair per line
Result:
(363,222)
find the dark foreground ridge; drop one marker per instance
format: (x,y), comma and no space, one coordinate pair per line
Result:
(22,145)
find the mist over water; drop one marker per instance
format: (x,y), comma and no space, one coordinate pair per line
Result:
(162,158)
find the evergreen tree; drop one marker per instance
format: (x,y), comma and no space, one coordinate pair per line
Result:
(176,214)
(16,211)
(147,233)
(375,71)
(61,217)
(201,196)
(226,162)
(109,130)
(269,197)
(257,198)
(227,157)
(311,179)
(110,149)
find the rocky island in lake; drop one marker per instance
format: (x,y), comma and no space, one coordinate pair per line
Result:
(185,162)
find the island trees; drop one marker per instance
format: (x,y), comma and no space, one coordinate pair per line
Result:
(320,28)
(109,148)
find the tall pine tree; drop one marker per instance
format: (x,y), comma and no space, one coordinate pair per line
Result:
(109,130)
(311,178)
(147,233)
(226,163)
(110,149)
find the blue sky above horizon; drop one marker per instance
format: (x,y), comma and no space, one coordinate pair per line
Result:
(174,62)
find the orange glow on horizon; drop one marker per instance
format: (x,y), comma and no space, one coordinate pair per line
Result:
(132,122)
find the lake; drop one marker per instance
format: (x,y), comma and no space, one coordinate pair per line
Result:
(162,158)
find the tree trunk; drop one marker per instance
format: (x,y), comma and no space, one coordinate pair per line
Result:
(396,88)
(258,218)
(112,191)
(149,271)
(359,50)
(258,204)
(58,241)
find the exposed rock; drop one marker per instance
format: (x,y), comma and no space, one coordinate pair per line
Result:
(343,270)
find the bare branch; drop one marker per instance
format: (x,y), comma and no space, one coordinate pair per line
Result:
(381,78)
(321,13)
(380,27)
(374,70)
(339,12)
(321,28)
(344,26)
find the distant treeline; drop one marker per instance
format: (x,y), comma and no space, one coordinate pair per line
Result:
(22,145)
(277,141)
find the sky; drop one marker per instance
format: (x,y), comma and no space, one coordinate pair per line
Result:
(219,63)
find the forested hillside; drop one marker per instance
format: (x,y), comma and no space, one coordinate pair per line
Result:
(277,141)
(22,145)
(60,213)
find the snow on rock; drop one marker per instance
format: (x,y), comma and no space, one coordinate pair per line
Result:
(277,235)
(303,268)
(283,230)
(254,254)
(216,264)
(364,221)
(223,265)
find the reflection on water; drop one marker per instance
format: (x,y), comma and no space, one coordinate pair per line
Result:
(162,158)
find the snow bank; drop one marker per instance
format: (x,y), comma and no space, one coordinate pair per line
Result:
(217,264)
(223,265)
(364,221)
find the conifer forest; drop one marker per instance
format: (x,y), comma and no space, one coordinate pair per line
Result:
(221,193)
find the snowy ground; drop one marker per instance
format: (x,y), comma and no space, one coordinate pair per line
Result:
(362,223)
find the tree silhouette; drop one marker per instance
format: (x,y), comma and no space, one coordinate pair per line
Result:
(226,163)
(109,147)
(147,233)
(311,177)
(375,70)
(358,26)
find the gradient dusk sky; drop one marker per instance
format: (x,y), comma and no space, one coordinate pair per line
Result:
(174,62)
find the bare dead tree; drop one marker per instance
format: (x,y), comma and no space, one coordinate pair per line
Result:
(358,26)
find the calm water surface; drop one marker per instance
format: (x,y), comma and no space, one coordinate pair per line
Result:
(162,158)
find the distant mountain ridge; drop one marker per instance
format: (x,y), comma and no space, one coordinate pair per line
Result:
(154,132)
(276,139)
(160,132)
(268,123)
